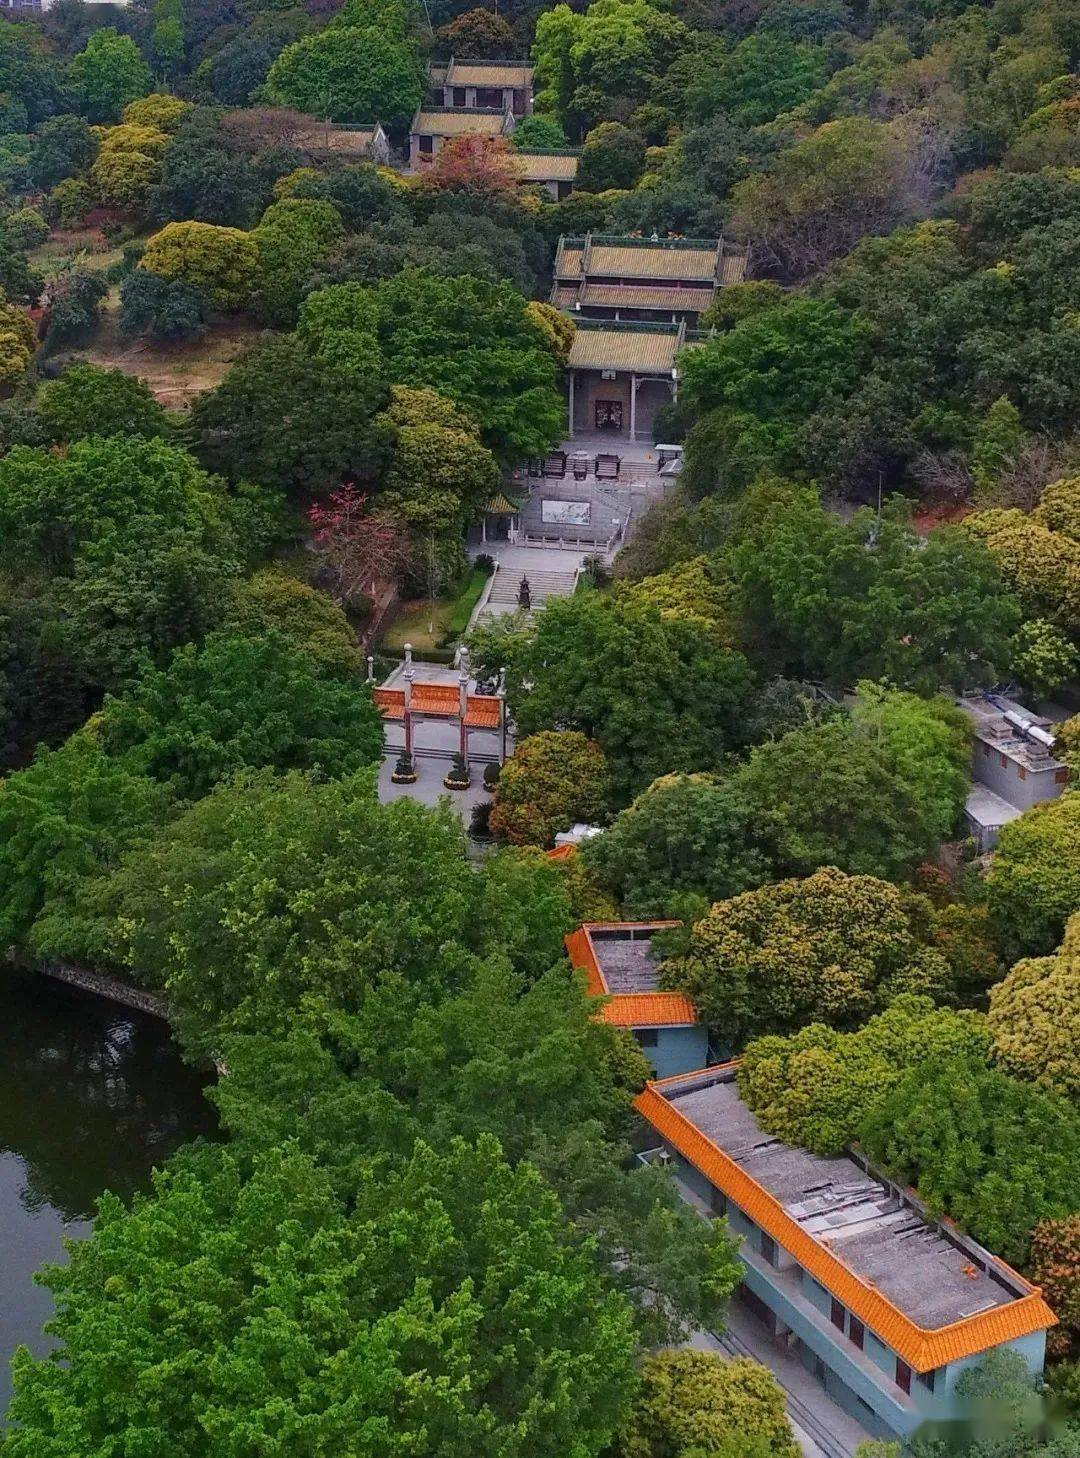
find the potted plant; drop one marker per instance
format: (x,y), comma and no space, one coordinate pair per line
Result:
(459,777)
(404,770)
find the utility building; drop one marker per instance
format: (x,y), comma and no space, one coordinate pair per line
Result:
(620,965)
(846,1270)
(1013,765)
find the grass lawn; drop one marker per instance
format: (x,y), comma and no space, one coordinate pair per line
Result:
(426,625)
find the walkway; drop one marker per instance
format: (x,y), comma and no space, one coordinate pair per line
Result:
(822,1429)
(552,572)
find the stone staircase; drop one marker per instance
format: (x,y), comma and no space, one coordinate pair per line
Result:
(542,585)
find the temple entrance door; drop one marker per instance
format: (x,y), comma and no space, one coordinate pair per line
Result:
(608,415)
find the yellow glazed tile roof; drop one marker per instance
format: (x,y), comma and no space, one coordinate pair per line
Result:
(458,123)
(639,351)
(492,73)
(683,263)
(645,296)
(546,166)
(921,1348)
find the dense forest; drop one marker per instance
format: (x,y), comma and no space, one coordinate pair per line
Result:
(251,383)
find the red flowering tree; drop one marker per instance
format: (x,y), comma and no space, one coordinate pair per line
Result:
(480,166)
(360,549)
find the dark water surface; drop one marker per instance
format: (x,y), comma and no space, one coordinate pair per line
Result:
(92,1096)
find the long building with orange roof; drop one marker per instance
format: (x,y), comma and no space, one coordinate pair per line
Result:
(620,966)
(846,1270)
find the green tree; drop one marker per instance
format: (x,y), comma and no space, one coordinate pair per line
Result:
(69,816)
(764,75)
(613,156)
(525,1062)
(542,133)
(816,1086)
(473,342)
(553,780)
(1055,1267)
(51,505)
(167,35)
(996,1155)
(501,1323)
(613,52)
(222,263)
(694,1402)
(75,302)
(1033,886)
(482,34)
(832,947)
(685,835)
(108,74)
(293,238)
(164,308)
(350,74)
(587,666)
(90,400)
(847,179)
(274,599)
(439,479)
(64,146)
(859,599)
(1035,1017)
(294,421)
(241,703)
(299,890)
(874,792)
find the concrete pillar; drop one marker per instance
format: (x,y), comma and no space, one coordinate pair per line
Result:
(633,406)
(483,528)
(502,715)
(463,702)
(570,432)
(470,96)
(407,677)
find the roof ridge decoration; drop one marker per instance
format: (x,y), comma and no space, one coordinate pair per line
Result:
(923,1349)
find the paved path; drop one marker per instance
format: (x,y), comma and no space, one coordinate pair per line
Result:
(822,1429)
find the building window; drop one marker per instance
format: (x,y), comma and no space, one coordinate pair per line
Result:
(837,1313)
(1062,777)
(719,1202)
(1004,761)
(427,145)
(647,1037)
(768,1248)
(927,1379)
(1021,771)
(460,98)
(903,1376)
(857,1332)
(986,749)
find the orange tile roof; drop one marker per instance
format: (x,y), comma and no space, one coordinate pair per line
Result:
(440,700)
(920,1348)
(627,1009)
(561,852)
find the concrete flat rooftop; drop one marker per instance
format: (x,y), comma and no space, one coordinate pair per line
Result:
(626,959)
(884,1238)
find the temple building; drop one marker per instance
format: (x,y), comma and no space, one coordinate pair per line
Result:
(555,171)
(670,281)
(620,965)
(636,302)
(434,125)
(845,1269)
(347,142)
(482,85)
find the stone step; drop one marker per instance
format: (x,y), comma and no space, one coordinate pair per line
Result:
(542,585)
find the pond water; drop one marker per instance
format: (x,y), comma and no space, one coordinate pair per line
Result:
(92,1096)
